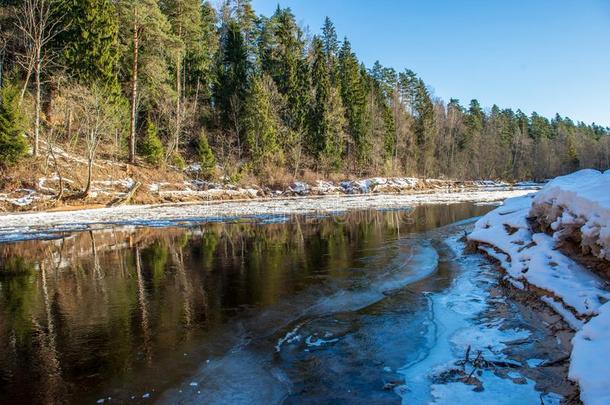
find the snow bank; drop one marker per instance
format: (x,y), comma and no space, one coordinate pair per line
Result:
(590,365)
(577,206)
(532,257)
(574,206)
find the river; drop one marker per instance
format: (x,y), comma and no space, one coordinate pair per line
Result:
(364,306)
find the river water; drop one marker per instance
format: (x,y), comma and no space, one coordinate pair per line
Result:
(371,306)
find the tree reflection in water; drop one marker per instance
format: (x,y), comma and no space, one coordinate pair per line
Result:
(119,308)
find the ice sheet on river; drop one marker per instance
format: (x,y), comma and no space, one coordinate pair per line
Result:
(439,374)
(15,227)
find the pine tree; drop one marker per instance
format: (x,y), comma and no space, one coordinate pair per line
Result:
(13,145)
(147,38)
(91,49)
(150,146)
(207,161)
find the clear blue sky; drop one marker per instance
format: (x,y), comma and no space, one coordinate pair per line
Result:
(546,56)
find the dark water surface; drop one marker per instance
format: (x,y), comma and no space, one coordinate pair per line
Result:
(312,309)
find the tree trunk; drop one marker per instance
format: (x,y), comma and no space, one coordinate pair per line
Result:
(28,74)
(37,103)
(178,97)
(89,177)
(178,104)
(60,192)
(2,56)
(134,96)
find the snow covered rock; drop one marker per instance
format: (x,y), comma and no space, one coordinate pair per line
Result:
(299,188)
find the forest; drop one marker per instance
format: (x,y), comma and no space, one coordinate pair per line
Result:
(165,83)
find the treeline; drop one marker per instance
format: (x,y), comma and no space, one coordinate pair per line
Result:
(169,81)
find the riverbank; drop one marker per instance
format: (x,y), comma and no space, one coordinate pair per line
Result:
(528,237)
(35,186)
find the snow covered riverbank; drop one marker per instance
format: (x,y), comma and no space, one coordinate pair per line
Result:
(43,224)
(576,206)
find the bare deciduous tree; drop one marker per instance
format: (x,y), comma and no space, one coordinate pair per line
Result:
(96,118)
(38,27)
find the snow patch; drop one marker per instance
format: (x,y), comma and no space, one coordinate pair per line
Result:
(589,364)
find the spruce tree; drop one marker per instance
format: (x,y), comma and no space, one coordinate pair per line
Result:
(320,80)
(354,94)
(284,61)
(13,145)
(330,44)
(200,61)
(261,125)
(232,76)
(329,38)
(474,122)
(424,127)
(150,146)
(327,126)
(91,48)
(540,127)
(205,155)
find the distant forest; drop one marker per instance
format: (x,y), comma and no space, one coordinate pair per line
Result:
(166,82)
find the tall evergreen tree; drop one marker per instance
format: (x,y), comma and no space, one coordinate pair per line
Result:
(13,144)
(91,48)
(330,45)
(424,127)
(184,16)
(475,119)
(232,77)
(147,39)
(354,94)
(327,127)
(261,124)
(200,61)
(284,60)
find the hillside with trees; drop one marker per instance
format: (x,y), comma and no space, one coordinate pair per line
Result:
(167,83)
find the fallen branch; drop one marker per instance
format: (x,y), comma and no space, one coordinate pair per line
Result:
(127,197)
